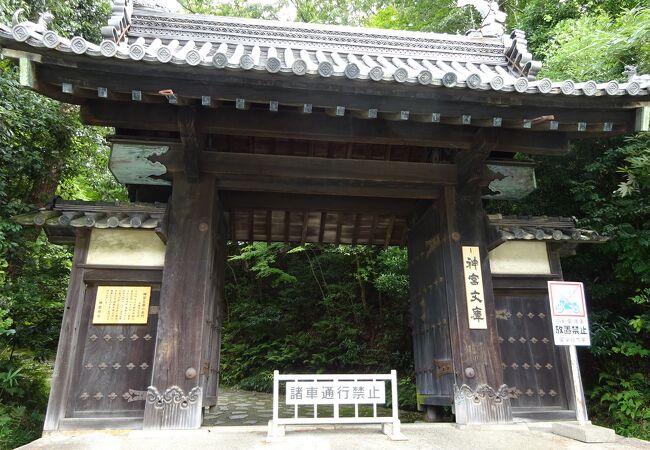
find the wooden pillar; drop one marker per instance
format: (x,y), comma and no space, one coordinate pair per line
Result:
(187,326)
(68,338)
(479,394)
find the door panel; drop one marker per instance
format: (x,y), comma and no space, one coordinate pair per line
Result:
(531,363)
(113,369)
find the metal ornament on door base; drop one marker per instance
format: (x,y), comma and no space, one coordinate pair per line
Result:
(173,409)
(483,405)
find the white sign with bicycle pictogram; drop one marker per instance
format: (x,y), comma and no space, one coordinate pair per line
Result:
(568,313)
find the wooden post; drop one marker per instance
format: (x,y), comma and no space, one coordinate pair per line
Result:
(68,343)
(187,306)
(579,395)
(479,394)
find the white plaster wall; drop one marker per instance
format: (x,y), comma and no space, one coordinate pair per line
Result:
(125,247)
(520,258)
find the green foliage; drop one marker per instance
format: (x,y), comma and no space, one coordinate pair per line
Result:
(261,257)
(44,150)
(576,46)
(23,397)
(339,12)
(623,402)
(72,17)
(233,8)
(538,17)
(341,309)
(437,16)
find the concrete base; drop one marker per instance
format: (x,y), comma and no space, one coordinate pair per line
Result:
(392,430)
(584,433)
(429,436)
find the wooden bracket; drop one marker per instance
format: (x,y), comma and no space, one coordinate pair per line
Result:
(193,141)
(470,162)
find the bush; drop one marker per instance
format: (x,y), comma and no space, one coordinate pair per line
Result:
(23,399)
(623,403)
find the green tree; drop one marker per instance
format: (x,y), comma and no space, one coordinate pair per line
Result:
(44,151)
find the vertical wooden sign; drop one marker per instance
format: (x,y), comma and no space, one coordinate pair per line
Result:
(474,288)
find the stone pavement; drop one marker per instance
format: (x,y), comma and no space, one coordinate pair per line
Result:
(241,418)
(237,408)
(422,436)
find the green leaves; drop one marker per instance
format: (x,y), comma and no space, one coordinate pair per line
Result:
(345,310)
(575,49)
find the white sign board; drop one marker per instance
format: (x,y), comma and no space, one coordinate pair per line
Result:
(335,392)
(568,313)
(474,288)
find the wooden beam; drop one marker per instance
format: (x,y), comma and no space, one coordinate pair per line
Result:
(290,125)
(358,97)
(193,141)
(329,187)
(299,202)
(227,163)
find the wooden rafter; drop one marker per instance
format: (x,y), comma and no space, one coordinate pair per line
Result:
(321,232)
(373,229)
(355,230)
(287,225)
(305,226)
(251,225)
(389,230)
(339,225)
(269,225)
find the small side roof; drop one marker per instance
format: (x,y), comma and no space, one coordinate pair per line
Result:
(540,228)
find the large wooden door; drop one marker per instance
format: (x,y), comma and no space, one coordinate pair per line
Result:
(113,364)
(533,367)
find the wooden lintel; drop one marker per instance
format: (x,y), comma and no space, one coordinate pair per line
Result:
(230,163)
(325,186)
(299,202)
(317,126)
(193,141)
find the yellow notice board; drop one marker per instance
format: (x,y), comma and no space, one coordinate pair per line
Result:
(118,305)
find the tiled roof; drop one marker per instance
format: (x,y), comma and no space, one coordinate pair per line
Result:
(541,228)
(221,43)
(79,214)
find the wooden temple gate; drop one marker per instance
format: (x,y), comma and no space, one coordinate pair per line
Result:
(233,129)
